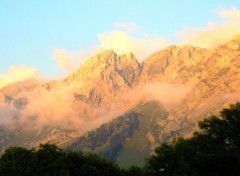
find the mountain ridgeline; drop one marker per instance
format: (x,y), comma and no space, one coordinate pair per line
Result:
(120,107)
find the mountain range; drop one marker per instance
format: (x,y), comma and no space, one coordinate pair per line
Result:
(120,107)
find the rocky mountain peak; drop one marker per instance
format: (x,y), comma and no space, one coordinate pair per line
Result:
(104,80)
(167,62)
(233,45)
(108,65)
(112,71)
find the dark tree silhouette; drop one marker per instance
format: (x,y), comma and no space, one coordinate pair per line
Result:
(49,160)
(214,150)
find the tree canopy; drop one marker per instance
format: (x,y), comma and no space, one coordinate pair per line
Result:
(214,150)
(49,160)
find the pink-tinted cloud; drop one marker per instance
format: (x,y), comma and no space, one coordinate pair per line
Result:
(122,42)
(128,26)
(214,34)
(18,73)
(69,61)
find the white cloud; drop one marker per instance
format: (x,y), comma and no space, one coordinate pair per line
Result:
(211,36)
(128,26)
(121,42)
(69,61)
(64,59)
(233,13)
(214,34)
(167,94)
(18,73)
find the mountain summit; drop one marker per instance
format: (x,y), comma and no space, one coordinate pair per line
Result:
(109,66)
(107,73)
(120,107)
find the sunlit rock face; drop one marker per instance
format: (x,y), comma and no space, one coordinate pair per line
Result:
(168,93)
(105,74)
(211,78)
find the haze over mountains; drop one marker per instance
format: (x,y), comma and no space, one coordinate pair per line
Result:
(120,107)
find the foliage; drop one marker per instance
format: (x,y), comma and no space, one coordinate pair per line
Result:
(134,171)
(49,160)
(214,150)
(108,139)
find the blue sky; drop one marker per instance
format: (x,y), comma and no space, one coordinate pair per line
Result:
(31,31)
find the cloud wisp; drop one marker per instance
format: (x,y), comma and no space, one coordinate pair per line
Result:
(58,107)
(128,26)
(18,73)
(121,42)
(214,34)
(211,36)
(69,61)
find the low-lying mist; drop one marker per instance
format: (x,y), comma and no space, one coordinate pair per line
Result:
(58,106)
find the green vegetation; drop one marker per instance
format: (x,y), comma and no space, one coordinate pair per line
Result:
(108,139)
(213,151)
(49,160)
(137,148)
